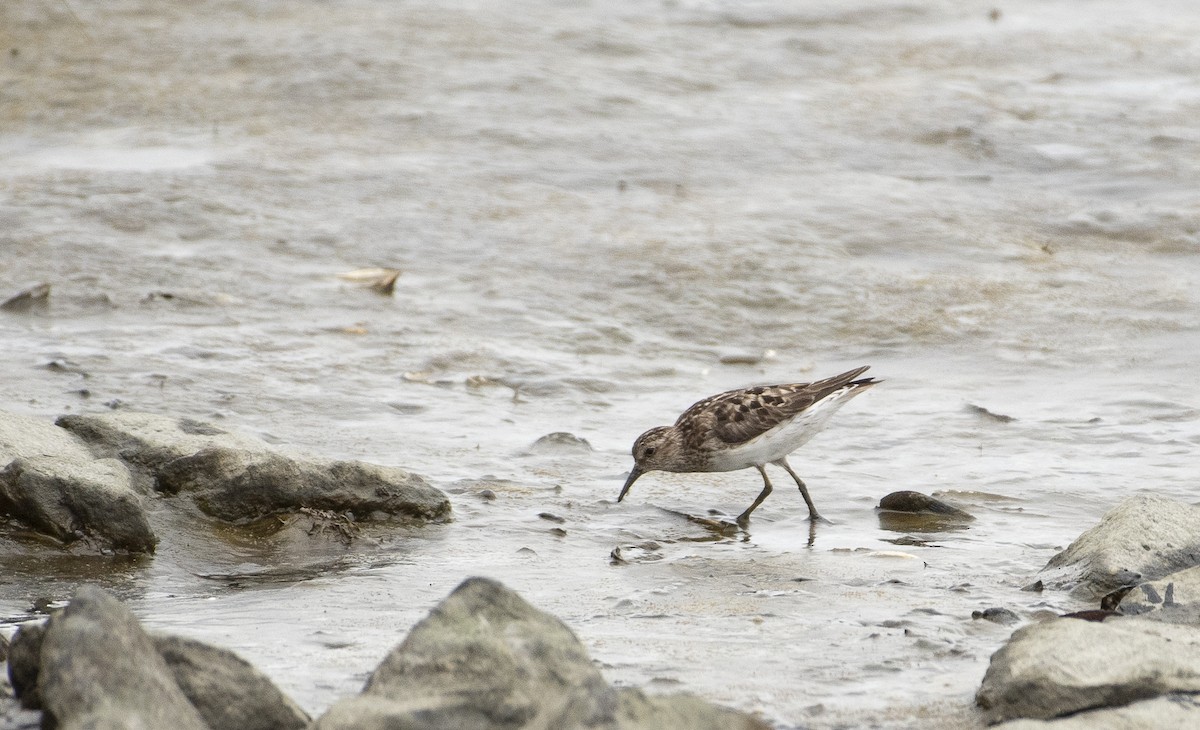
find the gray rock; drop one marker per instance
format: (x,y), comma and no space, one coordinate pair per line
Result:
(1175,598)
(149,440)
(560,442)
(1170,711)
(52,482)
(908,501)
(24,654)
(237,477)
(99,669)
(239,485)
(997,614)
(25,437)
(71,501)
(1143,538)
(12,716)
(677,712)
(486,659)
(229,693)
(1065,666)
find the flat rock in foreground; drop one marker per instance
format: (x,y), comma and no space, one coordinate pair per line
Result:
(1064,666)
(52,482)
(98,668)
(1143,538)
(92,665)
(484,658)
(226,689)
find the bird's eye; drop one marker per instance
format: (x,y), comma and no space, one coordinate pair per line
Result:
(649,451)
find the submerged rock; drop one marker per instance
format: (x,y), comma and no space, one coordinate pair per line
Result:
(484,658)
(34,297)
(997,614)
(560,442)
(52,482)
(1065,666)
(1143,538)
(913,512)
(915,502)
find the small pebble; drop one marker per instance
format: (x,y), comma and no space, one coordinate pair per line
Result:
(915,502)
(560,442)
(996,615)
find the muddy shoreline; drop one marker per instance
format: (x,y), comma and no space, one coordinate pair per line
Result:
(593,216)
(1139,583)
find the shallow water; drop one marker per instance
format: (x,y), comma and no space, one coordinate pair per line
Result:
(603,213)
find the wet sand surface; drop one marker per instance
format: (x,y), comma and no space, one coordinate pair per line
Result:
(603,213)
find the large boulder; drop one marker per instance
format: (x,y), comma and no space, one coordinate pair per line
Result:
(486,659)
(236,477)
(1066,665)
(52,482)
(1143,538)
(99,669)
(1170,711)
(229,693)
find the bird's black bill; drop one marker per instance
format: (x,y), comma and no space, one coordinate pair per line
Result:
(633,475)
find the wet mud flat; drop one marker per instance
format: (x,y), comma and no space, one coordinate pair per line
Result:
(484,655)
(597,219)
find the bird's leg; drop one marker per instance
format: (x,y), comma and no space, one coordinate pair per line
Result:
(744,517)
(812,508)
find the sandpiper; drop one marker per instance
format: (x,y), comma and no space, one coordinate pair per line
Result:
(748,427)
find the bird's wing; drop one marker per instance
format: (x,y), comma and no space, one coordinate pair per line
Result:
(741,415)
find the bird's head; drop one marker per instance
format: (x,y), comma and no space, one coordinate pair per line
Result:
(659,448)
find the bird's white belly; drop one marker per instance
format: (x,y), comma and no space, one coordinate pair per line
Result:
(779,441)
